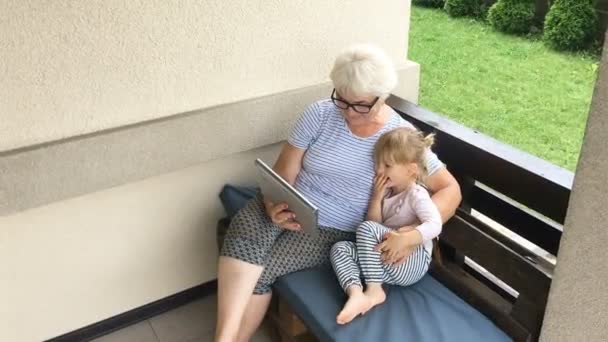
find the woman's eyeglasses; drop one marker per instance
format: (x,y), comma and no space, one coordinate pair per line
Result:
(359,108)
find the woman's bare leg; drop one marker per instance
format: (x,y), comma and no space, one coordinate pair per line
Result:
(236,281)
(254,315)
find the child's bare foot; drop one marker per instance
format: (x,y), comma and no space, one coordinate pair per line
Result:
(357,303)
(375,295)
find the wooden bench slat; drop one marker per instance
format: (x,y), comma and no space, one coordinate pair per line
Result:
(481,297)
(530,314)
(507,241)
(519,273)
(526,225)
(490,280)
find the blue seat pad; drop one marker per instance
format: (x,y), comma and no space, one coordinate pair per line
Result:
(425,311)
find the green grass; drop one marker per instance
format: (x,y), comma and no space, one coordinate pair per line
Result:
(513,89)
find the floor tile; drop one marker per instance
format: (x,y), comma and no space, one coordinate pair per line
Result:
(193,322)
(205,338)
(187,322)
(140,332)
(263,334)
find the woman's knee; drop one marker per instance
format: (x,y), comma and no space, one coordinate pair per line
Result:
(262,288)
(240,243)
(250,237)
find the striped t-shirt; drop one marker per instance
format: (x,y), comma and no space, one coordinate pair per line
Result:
(338,168)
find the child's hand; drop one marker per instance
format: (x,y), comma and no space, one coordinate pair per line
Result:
(380,185)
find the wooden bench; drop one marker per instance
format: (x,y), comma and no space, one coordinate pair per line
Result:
(510,200)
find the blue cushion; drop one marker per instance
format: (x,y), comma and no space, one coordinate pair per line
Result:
(234,198)
(425,311)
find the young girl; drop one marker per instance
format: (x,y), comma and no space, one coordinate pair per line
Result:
(398,201)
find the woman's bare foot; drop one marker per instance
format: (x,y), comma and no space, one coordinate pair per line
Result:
(357,303)
(375,295)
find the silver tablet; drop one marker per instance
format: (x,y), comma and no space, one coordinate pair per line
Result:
(278,190)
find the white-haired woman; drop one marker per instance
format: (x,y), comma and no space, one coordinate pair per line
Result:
(328,157)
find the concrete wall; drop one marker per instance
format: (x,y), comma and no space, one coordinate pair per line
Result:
(75,67)
(42,174)
(119,123)
(577,302)
(79,261)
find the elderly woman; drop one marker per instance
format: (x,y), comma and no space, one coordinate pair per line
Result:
(328,157)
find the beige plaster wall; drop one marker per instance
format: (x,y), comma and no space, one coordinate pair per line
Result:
(74,67)
(76,262)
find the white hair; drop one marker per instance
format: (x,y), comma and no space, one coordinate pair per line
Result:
(364,70)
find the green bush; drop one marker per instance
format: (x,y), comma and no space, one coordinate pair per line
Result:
(429,3)
(461,8)
(512,16)
(570,24)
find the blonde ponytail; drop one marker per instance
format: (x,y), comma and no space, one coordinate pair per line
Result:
(429,140)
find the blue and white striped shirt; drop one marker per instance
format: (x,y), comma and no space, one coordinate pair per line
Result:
(338,168)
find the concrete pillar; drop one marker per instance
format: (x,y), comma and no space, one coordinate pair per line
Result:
(578,301)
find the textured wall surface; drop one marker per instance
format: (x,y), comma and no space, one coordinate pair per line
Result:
(57,171)
(80,166)
(77,262)
(578,302)
(75,67)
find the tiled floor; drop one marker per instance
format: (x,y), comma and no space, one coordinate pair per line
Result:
(193,322)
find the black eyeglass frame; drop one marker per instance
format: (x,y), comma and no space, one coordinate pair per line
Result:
(345,105)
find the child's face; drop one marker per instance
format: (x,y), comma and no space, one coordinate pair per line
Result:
(399,175)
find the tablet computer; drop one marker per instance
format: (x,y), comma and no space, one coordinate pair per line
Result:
(278,190)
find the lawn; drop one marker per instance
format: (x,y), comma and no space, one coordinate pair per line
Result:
(511,88)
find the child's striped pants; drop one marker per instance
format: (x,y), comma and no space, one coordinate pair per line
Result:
(353,261)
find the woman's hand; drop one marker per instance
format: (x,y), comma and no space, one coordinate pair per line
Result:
(281,216)
(380,185)
(397,246)
(288,166)
(405,229)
